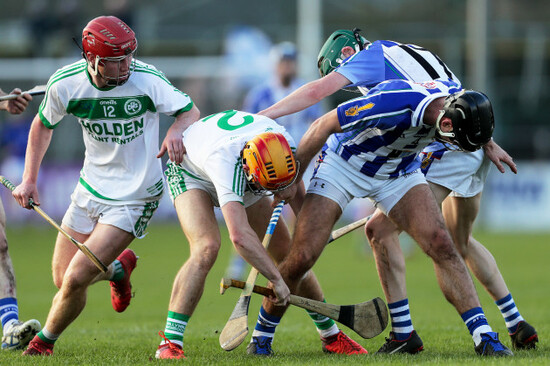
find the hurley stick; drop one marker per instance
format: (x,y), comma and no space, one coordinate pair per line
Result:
(37,90)
(368,319)
(347,229)
(83,248)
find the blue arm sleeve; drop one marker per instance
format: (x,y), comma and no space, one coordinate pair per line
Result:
(365,68)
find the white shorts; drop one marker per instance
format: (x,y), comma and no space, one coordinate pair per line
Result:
(84,213)
(464,173)
(335,179)
(180,179)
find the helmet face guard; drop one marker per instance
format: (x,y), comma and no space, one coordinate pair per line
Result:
(112,74)
(268,163)
(472,117)
(109,42)
(330,56)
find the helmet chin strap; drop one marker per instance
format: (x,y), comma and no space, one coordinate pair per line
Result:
(95,69)
(357,36)
(92,65)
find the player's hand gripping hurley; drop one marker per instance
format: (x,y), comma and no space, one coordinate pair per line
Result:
(236,328)
(83,248)
(368,319)
(37,90)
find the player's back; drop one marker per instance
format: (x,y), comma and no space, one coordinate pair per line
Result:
(384,130)
(415,63)
(228,130)
(387,60)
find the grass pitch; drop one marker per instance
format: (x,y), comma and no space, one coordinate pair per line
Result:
(346,270)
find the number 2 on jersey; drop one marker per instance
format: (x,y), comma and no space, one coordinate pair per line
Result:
(224,124)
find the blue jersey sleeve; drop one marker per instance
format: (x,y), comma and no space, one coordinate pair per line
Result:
(365,68)
(387,105)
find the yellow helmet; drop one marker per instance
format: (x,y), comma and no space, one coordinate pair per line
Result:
(268,161)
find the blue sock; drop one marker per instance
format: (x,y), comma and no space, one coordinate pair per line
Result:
(266,324)
(477,323)
(9,311)
(401,322)
(509,312)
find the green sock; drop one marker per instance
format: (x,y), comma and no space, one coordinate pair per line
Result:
(47,336)
(118,271)
(325,325)
(175,326)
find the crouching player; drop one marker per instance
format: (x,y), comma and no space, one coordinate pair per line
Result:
(233,159)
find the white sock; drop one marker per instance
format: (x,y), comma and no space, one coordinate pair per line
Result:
(325,333)
(49,335)
(476,336)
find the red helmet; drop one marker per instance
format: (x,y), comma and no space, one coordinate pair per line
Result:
(108,38)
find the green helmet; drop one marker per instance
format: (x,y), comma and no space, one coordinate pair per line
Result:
(330,55)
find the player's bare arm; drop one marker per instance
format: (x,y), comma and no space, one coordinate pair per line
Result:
(248,245)
(38,142)
(307,95)
(293,195)
(498,156)
(315,137)
(173,143)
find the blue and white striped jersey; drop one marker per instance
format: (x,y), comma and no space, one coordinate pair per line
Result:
(388,60)
(383,131)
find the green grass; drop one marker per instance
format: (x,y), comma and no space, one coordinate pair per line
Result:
(100,336)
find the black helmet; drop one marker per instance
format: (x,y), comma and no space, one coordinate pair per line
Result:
(473,120)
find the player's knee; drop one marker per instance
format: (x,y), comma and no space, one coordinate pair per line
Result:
(463,244)
(376,230)
(372,233)
(462,248)
(73,282)
(441,247)
(205,257)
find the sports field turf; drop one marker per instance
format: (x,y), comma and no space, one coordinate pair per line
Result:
(100,336)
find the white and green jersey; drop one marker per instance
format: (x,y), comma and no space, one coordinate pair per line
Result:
(214,146)
(120,126)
